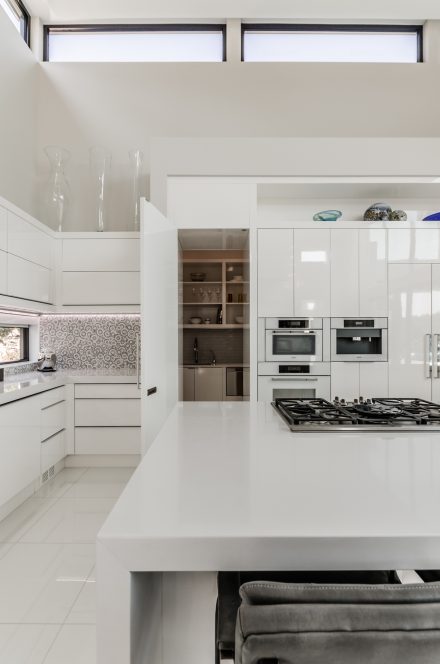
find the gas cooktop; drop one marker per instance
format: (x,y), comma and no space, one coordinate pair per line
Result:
(384,414)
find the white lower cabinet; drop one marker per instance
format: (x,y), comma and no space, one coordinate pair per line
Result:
(208,384)
(107,418)
(53,450)
(19,446)
(188,384)
(350,380)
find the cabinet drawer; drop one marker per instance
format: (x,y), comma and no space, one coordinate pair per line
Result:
(107,412)
(52,396)
(101,255)
(53,450)
(3,226)
(3,272)
(96,288)
(107,391)
(107,440)
(28,280)
(53,419)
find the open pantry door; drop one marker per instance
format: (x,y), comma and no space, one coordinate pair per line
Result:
(159,315)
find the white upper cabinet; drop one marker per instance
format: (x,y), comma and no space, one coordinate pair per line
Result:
(409,329)
(275,272)
(101,255)
(3,272)
(29,281)
(414,245)
(311,273)
(3,229)
(345,273)
(359,272)
(373,273)
(29,242)
(209,202)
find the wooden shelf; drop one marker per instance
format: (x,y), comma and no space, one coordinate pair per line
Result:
(214,326)
(199,283)
(237,304)
(203,304)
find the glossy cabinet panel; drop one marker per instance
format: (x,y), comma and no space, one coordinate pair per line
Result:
(311,273)
(275,272)
(107,412)
(344,273)
(106,255)
(107,391)
(53,450)
(345,380)
(3,229)
(208,384)
(435,300)
(3,272)
(27,241)
(418,245)
(20,446)
(53,420)
(409,326)
(373,273)
(373,379)
(107,440)
(28,280)
(100,288)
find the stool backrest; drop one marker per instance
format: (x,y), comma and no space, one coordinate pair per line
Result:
(338,624)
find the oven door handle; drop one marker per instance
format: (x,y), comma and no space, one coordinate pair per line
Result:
(428,356)
(435,355)
(296,378)
(293,332)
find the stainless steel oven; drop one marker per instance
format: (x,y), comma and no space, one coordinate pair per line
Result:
(285,380)
(297,339)
(359,339)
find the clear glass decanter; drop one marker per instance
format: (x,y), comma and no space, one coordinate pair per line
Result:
(100,165)
(57,197)
(136,164)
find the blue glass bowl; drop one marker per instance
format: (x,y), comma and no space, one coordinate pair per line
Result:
(327,215)
(432,217)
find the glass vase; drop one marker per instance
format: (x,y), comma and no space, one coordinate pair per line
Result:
(57,196)
(136,163)
(100,164)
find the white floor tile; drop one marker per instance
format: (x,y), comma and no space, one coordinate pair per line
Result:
(16,524)
(58,486)
(26,644)
(41,582)
(107,475)
(83,489)
(84,610)
(71,520)
(75,644)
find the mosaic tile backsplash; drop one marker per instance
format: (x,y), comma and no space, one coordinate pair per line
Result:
(99,341)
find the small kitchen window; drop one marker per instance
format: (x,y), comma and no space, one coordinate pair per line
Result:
(332,43)
(18,14)
(14,344)
(135,43)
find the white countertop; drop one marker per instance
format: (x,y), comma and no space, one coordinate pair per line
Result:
(23,385)
(228,486)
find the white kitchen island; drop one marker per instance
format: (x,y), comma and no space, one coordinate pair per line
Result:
(228,486)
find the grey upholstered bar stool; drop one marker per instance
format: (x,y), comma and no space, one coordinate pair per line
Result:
(338,624)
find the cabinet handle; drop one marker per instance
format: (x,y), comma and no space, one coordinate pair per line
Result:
(428,356)
(138,364)
(435,355)
(281,378)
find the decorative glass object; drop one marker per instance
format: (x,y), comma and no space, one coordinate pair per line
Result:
(378,212)
(100,164)
(398,215)
(136,163)
(327,215)
(57,196)
(435,216)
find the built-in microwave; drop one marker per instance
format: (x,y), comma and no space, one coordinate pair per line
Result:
(359,339)
(297,339)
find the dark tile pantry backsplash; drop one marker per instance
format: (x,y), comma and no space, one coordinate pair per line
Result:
(99,341)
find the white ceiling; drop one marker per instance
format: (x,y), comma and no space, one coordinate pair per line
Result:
(301,10)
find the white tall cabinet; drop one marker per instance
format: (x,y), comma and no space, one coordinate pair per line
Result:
(414,329)
(311,272)
(275,272)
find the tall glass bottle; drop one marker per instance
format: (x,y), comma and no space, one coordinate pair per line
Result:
(100,161)
(57,195)
(136,164)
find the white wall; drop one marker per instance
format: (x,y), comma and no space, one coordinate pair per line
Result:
(18,115)
(125,105)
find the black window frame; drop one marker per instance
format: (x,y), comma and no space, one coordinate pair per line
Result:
(332,27)
(25,19)
(25,343)
(132,27)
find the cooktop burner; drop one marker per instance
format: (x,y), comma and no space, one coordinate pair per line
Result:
(370,414)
